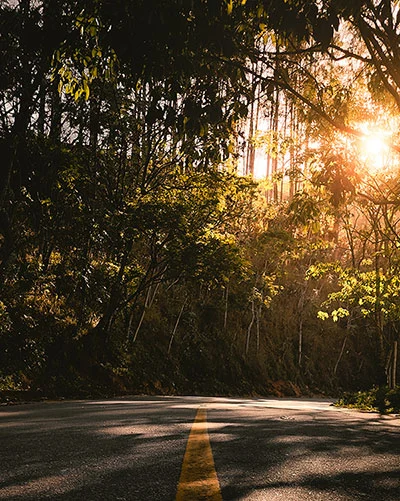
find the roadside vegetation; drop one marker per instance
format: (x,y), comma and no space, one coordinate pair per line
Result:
(379,399)
(200,197)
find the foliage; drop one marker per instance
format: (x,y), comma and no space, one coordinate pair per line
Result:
(381,399)
(133,256)
(362,292)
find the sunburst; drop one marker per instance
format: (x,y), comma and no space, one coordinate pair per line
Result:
(374,149)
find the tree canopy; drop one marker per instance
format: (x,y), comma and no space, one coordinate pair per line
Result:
(139,243)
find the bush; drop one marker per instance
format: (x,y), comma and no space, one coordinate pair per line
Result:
(379,399)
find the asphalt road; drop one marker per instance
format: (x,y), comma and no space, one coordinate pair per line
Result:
(133,449)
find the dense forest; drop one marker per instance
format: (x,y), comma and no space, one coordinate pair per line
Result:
(199,196)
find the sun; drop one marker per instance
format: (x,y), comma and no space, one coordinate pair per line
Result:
(374,149)
(260,166)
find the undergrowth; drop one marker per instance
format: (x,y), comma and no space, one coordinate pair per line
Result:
(379,399)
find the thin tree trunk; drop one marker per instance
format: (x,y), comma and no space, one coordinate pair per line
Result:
(274,162)
(388,368)
(300,347)
(176,326)
(275,127)
(258,316)
(269,159)
(147,304)
(141,319)
(56,114)
(249,168)
(226,306)
(250,326)
(378,308)
(340,355)
(394,368)
(300,310)
(285,127)
(291,154)
(42,108)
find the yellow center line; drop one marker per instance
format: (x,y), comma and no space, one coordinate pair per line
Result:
(198,480)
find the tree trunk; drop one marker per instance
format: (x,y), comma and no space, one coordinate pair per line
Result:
(56,115)
(249,167)
(300,308)
(258,317)
(394,365)
(146,302)
(250,326)
(226,306)
(275,129)
(340,355)
(176,326)
(300,349)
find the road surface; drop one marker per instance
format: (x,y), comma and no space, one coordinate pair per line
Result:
(139,449)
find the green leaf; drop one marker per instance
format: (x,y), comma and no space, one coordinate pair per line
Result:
(323,315)
(339,313)
(86,90)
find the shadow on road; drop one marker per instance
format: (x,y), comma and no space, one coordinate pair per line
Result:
(310,455)
(132,449)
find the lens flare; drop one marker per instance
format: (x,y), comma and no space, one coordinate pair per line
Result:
(374,149)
